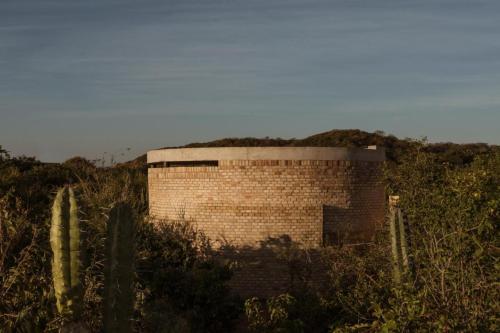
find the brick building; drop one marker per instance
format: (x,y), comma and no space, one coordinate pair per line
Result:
(252,198)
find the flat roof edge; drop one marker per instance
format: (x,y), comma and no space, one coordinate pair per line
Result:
(372,153)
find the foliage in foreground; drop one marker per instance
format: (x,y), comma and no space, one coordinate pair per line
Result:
(453,214)
(172,259)
(452,210)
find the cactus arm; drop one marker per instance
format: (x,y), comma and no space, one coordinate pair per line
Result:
(110,272)
(59,242)
(403,240)
(65,244)
(394,245)
(74,253)
(118,276)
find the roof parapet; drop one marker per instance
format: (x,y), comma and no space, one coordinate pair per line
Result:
(267,153)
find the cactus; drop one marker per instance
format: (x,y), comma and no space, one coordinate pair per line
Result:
(65,244)
(118,275)
(399,241)
(403,241)
(396,263)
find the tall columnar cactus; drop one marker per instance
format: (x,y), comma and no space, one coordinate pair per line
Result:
(403,240)
(399,241)
(65,243)
(396,263)
(119,268)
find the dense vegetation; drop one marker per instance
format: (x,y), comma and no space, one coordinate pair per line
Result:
(456,154)
(177,283)
(453,214)
(449,193)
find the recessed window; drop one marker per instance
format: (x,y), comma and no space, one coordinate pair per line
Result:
(184,164)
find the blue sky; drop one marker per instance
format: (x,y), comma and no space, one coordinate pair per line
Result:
(88,77)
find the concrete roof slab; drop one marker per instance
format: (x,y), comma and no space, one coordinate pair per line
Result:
(372,153)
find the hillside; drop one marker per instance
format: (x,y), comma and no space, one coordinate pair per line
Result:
(456,154)
(450,285)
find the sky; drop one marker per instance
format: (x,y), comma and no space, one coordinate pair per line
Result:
(94,78)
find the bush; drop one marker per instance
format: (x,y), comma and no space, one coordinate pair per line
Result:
(452,212)
(453,215)
(178,285)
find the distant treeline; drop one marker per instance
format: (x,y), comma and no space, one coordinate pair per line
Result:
(452,153)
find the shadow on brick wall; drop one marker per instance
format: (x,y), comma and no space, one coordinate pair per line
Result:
(276,265)
(339,229)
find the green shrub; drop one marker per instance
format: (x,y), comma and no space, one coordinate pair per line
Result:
(27,302)
(452,209)
(453,215)
(26,294)
(178,281)
(274,316)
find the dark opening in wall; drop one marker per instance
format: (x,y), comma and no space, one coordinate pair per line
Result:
(331,238)
(184,164)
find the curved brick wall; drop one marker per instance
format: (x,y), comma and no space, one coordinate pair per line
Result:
(243,201)
(243,196)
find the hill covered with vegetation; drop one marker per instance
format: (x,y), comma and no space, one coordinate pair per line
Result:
(453,153)
(450,195)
